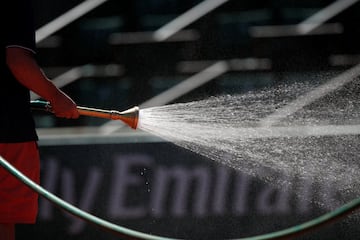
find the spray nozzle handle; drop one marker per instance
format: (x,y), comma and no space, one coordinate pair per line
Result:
(41,105)
(130,116)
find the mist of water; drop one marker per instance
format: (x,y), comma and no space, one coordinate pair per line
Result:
(228,130)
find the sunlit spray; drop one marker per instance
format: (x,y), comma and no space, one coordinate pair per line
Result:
(228,129)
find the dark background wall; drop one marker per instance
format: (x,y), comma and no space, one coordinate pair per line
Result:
(136,184)
(229,32)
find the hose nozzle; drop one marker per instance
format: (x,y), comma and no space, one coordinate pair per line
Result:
(130,116)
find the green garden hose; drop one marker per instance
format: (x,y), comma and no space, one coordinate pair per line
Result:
(126,233)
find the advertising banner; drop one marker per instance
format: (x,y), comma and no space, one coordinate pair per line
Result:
(159,188)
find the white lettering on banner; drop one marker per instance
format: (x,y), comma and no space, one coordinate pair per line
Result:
(305,200)
(49,181)
(272,200)
(328,198)
(182,179)
(241,192)
(87,198)
(175,191)
(221,189)
(123,179)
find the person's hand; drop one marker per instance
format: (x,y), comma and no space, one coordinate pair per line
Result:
(63,106)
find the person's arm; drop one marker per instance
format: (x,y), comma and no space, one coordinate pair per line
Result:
(26,70)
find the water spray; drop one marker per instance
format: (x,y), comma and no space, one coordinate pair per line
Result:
(130,116)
